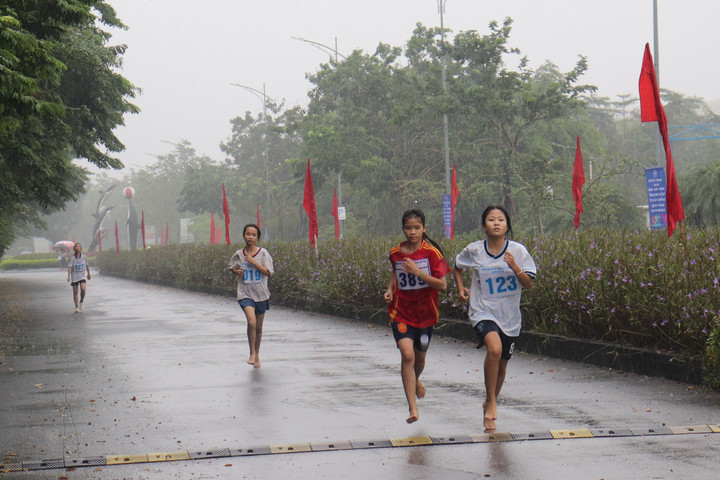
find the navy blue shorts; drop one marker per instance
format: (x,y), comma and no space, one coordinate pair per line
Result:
(483,327)
(260,307)
(420,336)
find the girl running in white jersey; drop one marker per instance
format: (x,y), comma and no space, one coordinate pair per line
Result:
(501,269)
(253,265)
(78,275)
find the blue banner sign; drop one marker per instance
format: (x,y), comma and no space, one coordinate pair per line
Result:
(657,209)
(447,213)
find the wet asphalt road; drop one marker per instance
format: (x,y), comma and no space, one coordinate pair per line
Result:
(148,369)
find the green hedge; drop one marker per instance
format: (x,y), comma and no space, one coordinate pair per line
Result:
(638,289)
(27,262)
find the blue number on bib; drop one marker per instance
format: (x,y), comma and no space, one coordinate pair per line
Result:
(79,267)
(251,274)
(497,284)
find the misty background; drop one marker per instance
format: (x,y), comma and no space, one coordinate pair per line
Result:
(185,58)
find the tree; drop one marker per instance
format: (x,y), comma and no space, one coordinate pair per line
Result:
(700,194)
(261,153)
(60,98)
(507,105)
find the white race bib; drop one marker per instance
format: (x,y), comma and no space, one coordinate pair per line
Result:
(498,282)
(250,273)
(408,281)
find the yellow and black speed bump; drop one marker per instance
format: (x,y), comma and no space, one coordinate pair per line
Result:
(451,439)
(532,436)
(325,446)
(290,448)
(372,444)
(642,431)
(223,452)
(491,437)
(611,432)
(243,452)
(85,462)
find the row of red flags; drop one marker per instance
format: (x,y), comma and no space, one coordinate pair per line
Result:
(309,206)
(311,210)
(164,240)
(651,110)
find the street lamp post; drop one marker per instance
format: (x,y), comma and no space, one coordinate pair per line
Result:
(441,10)
(262,96)
(656,48)
(329,50)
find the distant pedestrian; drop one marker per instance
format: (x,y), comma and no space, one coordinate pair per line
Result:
(418,273)
(501,269)
(61,261)
(253,265)
(78,274)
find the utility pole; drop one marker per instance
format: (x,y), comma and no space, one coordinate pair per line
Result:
(656,54)
(329,50)
(262,96)
(441,10)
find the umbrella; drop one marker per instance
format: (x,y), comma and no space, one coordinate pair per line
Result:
(63,245)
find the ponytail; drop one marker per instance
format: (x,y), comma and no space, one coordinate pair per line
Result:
(433,243)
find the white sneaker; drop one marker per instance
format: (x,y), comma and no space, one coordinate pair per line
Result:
(81,306)
(77,309)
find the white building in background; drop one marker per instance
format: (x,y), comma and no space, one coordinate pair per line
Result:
(185,235)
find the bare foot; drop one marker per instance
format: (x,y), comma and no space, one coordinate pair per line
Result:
(256,363)
(412,418)
(420,390)
(251,360)
(489,425)
(489,417)
(490,411)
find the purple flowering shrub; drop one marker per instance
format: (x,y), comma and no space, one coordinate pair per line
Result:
(634,288)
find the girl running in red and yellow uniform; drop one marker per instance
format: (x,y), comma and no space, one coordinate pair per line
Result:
(418,273)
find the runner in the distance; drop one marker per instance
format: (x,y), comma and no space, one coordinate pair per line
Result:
(78,275)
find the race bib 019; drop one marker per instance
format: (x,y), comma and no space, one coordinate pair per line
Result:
(251,274)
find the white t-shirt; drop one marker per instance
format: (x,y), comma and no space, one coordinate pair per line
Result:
(253,284)
(495,290)
(79,267)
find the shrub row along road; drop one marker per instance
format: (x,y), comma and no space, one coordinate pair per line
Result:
(151,372)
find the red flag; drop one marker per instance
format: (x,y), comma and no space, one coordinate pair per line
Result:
(454,192)
(218,236)
(117,239)
(167,234)
(212,229)
(142,226)
(335,214)
(226,213)
(99,241)
(258,216)
(651,110)
(309,206)
(578,182)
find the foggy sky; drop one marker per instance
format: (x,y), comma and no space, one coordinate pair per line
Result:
(184,53)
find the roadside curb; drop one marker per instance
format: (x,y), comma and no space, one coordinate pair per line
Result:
(618,357)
